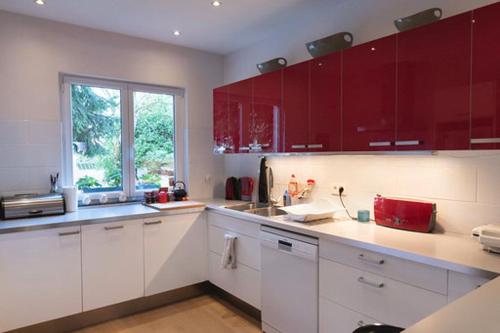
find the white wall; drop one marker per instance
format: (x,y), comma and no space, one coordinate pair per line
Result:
(366,19)
(463,184)
(32,54)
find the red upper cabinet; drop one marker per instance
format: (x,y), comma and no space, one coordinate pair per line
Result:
(369,96)
(265,118)
(486,78)
(325,103)
(240,104)
(434,86)
(221,104)
(296,107)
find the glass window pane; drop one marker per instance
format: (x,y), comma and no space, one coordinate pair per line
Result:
(97,153)
(154,140)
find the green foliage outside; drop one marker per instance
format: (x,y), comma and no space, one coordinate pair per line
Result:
(96,124)
(87,182)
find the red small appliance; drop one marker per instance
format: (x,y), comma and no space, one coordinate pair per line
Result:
(246,184)
(405,214)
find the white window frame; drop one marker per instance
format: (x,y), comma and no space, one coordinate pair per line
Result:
(127,117)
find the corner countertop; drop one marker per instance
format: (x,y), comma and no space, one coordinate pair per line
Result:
(91,215)
(477,311)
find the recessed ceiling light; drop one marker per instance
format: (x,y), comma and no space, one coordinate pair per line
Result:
(216,3)
(40,2)
(177,33)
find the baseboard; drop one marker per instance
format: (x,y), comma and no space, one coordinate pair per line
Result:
(93,317)
(244,307)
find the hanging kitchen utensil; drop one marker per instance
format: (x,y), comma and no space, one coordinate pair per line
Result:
(419,19)
(336,42)
(271,65)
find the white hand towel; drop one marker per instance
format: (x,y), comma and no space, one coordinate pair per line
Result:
(229,252)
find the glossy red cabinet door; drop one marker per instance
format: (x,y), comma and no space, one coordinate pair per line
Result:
(325,103)
(240,100)
(266,115)
(434,86)
(486,78)
(369,96)
(220,118)
(296,106)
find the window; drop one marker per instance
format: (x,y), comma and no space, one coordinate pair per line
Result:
(119,137)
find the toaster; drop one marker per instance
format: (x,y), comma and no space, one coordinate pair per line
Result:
(405,214)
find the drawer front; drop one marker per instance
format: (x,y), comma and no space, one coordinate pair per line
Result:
(376,296)
(409,272)
(237,225)
(247,248)
(336,318)
(242,282)
(460,284)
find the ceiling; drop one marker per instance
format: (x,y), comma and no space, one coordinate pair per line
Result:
(234,25)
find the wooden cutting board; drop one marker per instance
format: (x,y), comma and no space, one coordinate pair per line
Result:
(176,205)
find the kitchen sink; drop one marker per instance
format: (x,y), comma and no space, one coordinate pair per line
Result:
(258,209)
(267,211)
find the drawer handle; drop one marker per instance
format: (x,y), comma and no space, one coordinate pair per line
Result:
(70,233)
(113,228)
(315,146)
(361,323)
(408,143)
(485,140)
(152,223)
(380,144)
(35,212)
(369,283)
(371,261)
(298,146)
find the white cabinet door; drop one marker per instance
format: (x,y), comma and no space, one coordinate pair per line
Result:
(460,284)
(112,263)
(242,282)
(379,297)
(175,252)
(40,276)
(336,318)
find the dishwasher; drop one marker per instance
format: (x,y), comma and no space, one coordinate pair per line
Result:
(289,282)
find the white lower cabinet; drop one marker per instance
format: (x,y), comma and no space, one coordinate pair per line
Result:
(460,284)
(40,276)
(338,319)
(243,281)
(175,252)
(112,263)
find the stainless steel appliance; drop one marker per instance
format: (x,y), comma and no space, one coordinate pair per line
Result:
(289,282)
(32,205)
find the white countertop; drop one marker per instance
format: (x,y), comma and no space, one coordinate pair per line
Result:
(476,312)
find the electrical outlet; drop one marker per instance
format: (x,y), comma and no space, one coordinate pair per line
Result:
(336,187)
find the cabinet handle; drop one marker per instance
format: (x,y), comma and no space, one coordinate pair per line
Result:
(113,228)
(298,147)
(152,223)
(371,261)
(371,284)
(408,143)
(361,323)
(244,148)
(70,233)
(380,144)
(315,146)
(485,140)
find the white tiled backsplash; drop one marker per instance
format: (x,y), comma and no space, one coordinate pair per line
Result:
(465,185)
(29,152)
